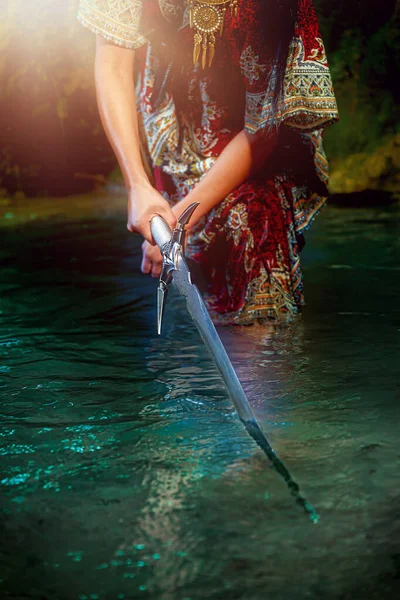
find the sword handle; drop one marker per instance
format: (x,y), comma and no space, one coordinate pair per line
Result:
(161,233)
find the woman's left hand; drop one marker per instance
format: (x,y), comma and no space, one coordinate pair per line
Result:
(151,260)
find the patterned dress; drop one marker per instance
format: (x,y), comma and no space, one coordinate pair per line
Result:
(248,246)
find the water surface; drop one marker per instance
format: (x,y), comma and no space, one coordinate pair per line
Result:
(125,472)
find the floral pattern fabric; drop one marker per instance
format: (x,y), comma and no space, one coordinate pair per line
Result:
(308,99)
(248,246)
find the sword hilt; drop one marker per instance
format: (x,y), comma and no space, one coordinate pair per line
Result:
(168,241)
(161,233)
(186,215)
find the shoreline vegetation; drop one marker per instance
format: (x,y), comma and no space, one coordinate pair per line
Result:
(52,143)
(21,211)
(377,169)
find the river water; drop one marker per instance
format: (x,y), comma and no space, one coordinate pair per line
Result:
(125,472)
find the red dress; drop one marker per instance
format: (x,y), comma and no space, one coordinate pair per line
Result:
(248,246)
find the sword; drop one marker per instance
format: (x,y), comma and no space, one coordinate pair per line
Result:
(175,270)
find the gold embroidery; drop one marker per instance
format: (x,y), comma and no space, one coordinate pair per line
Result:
(207,17)
(115,20)
(119,21)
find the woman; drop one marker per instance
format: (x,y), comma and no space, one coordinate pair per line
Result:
(232,98)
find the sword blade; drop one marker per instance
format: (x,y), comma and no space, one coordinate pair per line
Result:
(181,278)
(162,292)
(205,326)
(198,312)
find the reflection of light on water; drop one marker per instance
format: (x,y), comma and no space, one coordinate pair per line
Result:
(16,480)
(17,449)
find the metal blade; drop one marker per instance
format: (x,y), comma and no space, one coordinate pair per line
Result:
(162,292)
(186,215)
(175,267)
(199,314)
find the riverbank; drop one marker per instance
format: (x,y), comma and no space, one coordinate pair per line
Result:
(111,203)
(377,170)
(20,210)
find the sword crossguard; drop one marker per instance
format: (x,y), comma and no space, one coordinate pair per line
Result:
(170,243)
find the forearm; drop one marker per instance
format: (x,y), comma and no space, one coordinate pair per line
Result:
(243,156)
(117,106)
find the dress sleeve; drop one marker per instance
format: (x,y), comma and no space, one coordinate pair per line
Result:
(308,100)
(115,20)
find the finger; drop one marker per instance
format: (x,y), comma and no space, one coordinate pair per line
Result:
(156,269)
(146,265)
(145,230)
(155,255)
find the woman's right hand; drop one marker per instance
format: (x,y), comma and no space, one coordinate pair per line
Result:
(117,104)
(144,203)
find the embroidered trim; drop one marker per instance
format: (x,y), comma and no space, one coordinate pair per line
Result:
(309,100)
(115,20)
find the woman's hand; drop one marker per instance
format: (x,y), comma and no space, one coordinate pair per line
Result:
(151,260)
(143,204)
(117,105)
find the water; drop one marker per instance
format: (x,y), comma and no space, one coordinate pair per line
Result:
(125,472)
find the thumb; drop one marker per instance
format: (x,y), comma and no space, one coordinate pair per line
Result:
(169,217)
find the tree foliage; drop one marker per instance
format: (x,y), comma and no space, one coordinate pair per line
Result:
(51,137)
(363,45)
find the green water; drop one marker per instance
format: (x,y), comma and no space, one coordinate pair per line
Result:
(124,471)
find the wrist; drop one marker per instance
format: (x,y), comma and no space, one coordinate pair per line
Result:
(137,182)
(182,205)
